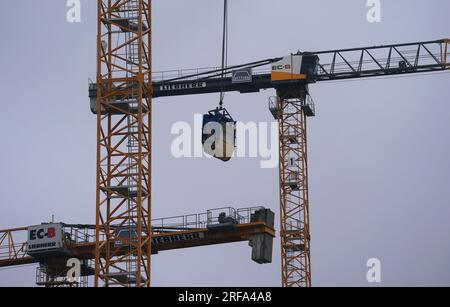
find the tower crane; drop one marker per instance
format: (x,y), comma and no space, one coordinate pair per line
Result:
(123,236)
(122,99)
(291,76)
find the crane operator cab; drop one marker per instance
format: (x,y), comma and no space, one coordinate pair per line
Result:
(296,67)
(219,134)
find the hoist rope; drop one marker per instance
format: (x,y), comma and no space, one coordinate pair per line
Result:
(224,48)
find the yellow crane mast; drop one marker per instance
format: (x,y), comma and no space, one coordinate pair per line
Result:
(124,98)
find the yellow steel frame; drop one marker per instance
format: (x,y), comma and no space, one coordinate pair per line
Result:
(294,201)
(124,142)
(11,245)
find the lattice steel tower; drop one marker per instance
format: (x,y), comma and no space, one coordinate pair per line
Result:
(291,107)
(124,91)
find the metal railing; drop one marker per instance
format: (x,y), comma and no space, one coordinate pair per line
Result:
(207,72)
(203,220)
(79,234)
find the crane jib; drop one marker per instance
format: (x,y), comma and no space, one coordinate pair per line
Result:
(356,63)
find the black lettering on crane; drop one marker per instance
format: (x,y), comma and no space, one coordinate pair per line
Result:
(33,235)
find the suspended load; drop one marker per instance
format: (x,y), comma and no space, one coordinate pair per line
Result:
(219,134)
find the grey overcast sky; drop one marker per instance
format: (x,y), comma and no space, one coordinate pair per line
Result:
(379,150)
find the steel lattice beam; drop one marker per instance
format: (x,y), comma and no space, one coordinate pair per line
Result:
(294,201)
(123,210)
(384,60)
